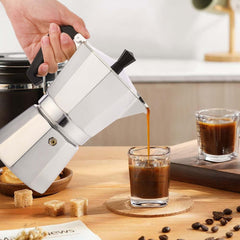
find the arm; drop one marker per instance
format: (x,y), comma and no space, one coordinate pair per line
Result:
(32,20)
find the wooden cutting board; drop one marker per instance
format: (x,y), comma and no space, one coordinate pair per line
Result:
(186,167)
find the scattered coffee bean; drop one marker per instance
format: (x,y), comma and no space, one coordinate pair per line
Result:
(229,234)
(229,218)
(236,228)
(227,211)
(166,229)
(204,228)
(217,215)
(142,238)
(163,237)
(209,221)
(210,238)
(238,209)
(214,229)
(180,239)
(196,225)
(219,239)
(223,222)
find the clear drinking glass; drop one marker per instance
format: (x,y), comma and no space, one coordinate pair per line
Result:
(149,176)
(218,134)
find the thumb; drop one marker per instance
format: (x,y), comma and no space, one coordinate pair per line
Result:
(77,23)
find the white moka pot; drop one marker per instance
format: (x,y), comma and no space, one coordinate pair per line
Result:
(86,97)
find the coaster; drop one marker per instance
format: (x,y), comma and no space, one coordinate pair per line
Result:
(120,204)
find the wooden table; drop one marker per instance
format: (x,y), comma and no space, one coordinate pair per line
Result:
(101,172)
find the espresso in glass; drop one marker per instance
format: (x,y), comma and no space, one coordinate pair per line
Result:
(149,176)
(217,134)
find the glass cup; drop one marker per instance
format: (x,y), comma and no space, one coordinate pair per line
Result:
(217,134)
(149,176)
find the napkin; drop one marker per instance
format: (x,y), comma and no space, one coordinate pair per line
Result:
(72,230)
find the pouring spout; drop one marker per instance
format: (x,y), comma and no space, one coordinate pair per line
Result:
(145,104)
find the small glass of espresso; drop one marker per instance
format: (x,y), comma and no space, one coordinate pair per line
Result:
(149,176)
(218,134)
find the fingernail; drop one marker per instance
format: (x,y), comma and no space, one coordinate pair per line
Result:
(64,38)
(45,40)
(53,28)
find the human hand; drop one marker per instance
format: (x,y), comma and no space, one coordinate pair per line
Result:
(32,20)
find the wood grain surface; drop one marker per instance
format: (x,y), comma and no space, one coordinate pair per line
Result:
(178,123)
(186,167)
(102,172)
(8,189)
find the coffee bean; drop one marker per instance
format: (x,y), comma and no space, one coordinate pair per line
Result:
(166,229)
(204,228)
(236,228)
(227,211)
(209,221)
(163,237)
(180,239)
(229,218)
(217,215)
(238,209)
(210,238)
(142,238)
(229,234)
(223,222)
(196,225)
(214,229)
(216,218)
(219,239)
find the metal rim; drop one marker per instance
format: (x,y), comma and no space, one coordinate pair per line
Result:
(228,112)
(19,86)
(14,60)
(132,150)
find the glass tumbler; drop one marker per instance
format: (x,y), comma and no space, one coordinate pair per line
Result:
(149,176)
(218,134)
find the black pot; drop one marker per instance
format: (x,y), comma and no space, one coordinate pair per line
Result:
(17,93)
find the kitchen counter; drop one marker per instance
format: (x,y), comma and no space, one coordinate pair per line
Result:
(102,172)
(166,70)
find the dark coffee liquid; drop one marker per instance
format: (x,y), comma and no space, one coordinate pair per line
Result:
(149,182)
(217,138)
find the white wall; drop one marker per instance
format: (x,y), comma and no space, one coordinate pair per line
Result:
(150,28)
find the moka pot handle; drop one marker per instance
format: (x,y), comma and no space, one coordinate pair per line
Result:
(38,60)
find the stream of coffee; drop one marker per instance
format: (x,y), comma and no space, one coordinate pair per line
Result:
(148,131)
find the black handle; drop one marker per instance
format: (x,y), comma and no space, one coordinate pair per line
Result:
(38,60)
(123,61)
(2,164)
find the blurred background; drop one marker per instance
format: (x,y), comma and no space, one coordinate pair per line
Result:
(169,39)
(150,28)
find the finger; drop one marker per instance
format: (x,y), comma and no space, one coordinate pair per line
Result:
(77,23)
(67,45)
(43,70)
(80,27)
(54,35)
(48,54)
